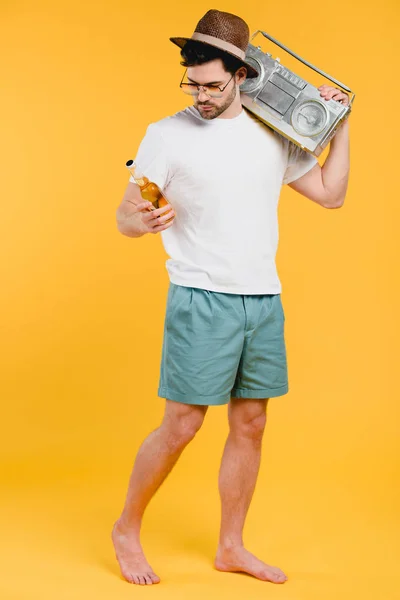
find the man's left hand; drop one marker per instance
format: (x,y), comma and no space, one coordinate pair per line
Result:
(328,92)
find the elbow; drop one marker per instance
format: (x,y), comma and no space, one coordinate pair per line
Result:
(335,202)
(127,230)
(121,228)
(120,222)
(334,205)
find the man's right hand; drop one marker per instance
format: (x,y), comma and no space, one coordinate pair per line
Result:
(133,217)
(155,221)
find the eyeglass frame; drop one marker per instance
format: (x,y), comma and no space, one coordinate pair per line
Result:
(204,86)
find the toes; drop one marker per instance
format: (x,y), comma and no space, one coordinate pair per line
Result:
(278,573)
(146,579)
(273,576)
(279,578)
(155,578)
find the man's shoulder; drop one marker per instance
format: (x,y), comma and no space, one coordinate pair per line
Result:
(171,124)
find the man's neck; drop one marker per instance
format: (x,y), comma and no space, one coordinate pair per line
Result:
(233,110)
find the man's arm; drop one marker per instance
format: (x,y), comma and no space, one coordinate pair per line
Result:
(328,185)
(129,217)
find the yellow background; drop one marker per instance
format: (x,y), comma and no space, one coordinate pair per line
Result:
(82,312)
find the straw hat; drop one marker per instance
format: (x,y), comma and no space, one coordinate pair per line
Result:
(224,31)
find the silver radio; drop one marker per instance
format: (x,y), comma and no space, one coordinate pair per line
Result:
(288,103)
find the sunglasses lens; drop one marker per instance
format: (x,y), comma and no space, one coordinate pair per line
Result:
(193,90)
(190,89)
(214,93)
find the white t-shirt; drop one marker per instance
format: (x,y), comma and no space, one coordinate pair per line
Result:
(223,178)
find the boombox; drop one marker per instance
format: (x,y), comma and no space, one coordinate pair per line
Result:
(288,103)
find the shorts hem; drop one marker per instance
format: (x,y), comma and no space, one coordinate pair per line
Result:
(260,394)
(197,400)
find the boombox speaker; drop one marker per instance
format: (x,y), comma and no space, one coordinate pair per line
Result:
(288,103)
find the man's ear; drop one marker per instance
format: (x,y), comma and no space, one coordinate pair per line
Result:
(241,75)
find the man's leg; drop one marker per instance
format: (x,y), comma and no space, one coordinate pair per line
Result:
(155,459)
(237,480)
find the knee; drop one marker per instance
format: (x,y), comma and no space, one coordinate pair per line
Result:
(181,430)
(251,427)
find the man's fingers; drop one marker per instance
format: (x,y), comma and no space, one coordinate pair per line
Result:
(162,220)
(161,227)
(329,92)
(343,98)
(338,96)
(151,220)
(155,220)
(167,217)
(154,214)
(143,206)
(160,211)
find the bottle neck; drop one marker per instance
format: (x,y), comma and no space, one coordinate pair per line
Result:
(141,181)
(138,176)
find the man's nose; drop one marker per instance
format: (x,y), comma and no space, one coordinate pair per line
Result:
(203,95)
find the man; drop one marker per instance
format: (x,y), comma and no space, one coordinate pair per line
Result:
(222,170)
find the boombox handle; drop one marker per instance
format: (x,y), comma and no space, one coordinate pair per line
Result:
(305,63)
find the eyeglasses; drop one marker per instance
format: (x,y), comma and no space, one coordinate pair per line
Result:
(212,91)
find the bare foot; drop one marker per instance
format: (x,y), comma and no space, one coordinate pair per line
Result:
(133,564)
(238,559)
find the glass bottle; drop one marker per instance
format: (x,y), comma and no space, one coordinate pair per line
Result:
(148,189)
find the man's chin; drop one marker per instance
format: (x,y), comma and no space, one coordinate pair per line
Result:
(206,114)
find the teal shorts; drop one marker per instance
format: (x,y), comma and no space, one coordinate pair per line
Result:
(220,346)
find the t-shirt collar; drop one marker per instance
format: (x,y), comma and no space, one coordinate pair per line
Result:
(218,121)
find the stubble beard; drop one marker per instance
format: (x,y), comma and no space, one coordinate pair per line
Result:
(218,110)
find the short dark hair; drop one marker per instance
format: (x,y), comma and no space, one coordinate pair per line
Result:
(195,53)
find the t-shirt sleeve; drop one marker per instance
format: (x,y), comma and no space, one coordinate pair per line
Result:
(299,162)
(152,158)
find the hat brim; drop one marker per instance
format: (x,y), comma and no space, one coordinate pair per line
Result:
(251,71)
